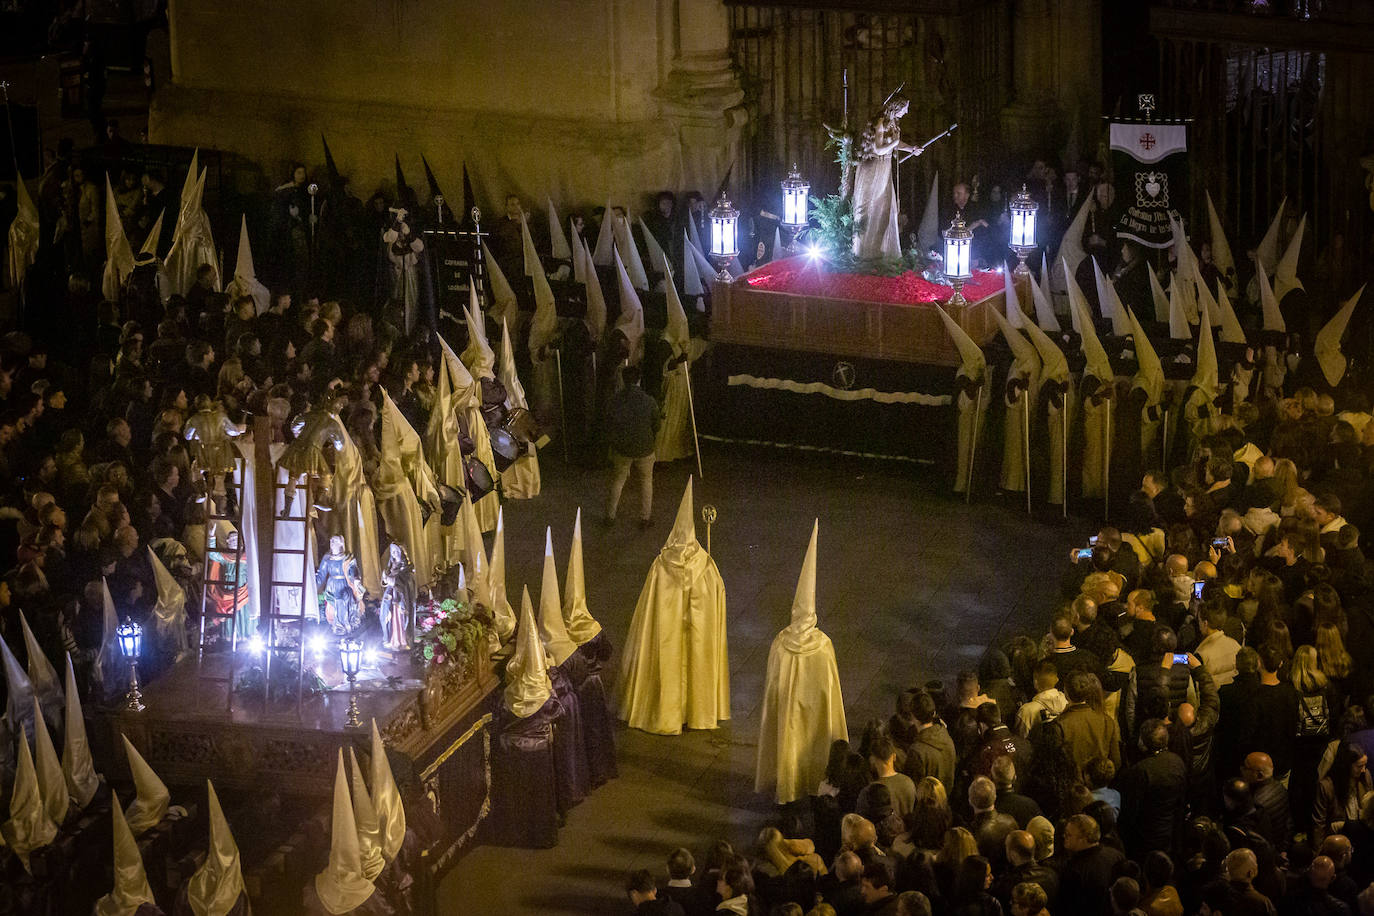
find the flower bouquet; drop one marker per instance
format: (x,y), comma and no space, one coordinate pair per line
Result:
(448,635)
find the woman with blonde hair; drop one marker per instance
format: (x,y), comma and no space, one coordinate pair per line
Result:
(1332,658)
(928,820)
(958,846)
(1317,716)
(1288,486)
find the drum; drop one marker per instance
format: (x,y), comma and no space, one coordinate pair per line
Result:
(480,481)
(521,424)
(505,448)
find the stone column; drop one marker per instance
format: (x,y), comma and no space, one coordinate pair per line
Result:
(1033,119)
(701,94)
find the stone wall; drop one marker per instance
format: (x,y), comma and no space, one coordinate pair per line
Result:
(581,100)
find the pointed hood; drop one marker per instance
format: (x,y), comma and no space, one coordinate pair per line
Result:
(1097,364)
(188,187)
(528,686)
(631,320)
(1222,258)
(131,888)
(29,826)
(477,355)
(694,237)
(119,257)
(531,256)
(1327,346)
(51,786)
(332,170)
(404,195)
(1023,352)
(1178,315)
(605,238)
(154,237)
(551,627)
(19,691)
(973,364)
(677,333)
(1286,273)
(1011,301)
(704,269)
(77,766)
(1044,309)
(1071,252)
(658,260)
(1075,294)
(928,229)
(1149,375)
(170,609)
(629,255)
(1183,251)
(1158,296)
(575,252)
(365,816)
(476,569)
(386,799)
(47,689)
(110,657)
(596,300)
(245,282)
(1205,376)
(500,603)
(1053,365)
(515,392)
(1206,300)
(150,802)
(1267,251)
(544,326)
(341,886)
(23,235)
(562,251)
(1269,303)
(215,887)
(581,626)
(691,273)
(1112,309)
(464,389)
(1231,331)
(684,531)
(801,635)
(502,296)
(433,182)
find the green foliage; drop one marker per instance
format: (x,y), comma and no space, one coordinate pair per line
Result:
(451,633)
(832,227)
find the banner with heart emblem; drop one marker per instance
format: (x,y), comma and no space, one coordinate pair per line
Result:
(1150,161)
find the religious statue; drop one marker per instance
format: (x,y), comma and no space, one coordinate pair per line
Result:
(208,430)
(403,248)
(338,579)
(872,188)
(398,598)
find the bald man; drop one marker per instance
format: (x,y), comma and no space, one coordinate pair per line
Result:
(1314,894)
(1240,869)
(1269,796)
(1343,886)
(1021,867)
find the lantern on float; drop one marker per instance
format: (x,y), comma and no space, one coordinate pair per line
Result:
(1023,209)
(958,254)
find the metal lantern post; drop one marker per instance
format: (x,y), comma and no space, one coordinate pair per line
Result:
(351,661)
(1023,212)
(724,236)
(958,257)
(796,196)
(130,636)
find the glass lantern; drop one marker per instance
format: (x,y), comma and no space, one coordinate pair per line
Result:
(1023,209)
(958,257)
(724,235)
(130,637)
(351,656)
(796,192)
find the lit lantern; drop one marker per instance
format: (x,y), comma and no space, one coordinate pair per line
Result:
(130,637)
(351,661)
(958,252)
(724,235)
(796,192)
(1023,209)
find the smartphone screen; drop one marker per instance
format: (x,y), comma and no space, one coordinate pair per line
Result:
(1197,589)
(1085,553)
(1180,658)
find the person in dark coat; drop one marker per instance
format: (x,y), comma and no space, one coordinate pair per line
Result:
(1153,793)
(1086,878)
(643,894)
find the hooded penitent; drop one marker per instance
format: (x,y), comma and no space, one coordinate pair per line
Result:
(1158,297)
(503,298)
(658,259)
(402,485)
(928,229)
(151,797)
(674,439)
(131,889)
(365,816)
(543,333)
(1044,308)
(1222,258)
(192,243)
(631,320)
(596,300)
(1231,331)
(1023,382)
(521,480)
(478,355)
(629,254)
(577,620)
(29,826)
(19,692)
(691,274)
(972,399)
(552,630)
(1327,346)
(1071,252)
(170,610)
(154,237)
(23,236)
(605,238)
(675,669)
(119,257)
(467,398)
(528,686)
(47,689)
(1055,382)
(216,886)
(77,766)
(803,707)
(1267,252)
(386,799)
(500,603)
(1179,328)
(1198,405)
(1098,377)
(245,282)
(1149,378)
(342,887)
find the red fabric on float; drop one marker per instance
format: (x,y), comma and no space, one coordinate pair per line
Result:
(807,277)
